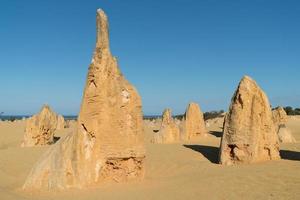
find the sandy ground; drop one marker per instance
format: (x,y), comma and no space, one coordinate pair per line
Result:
(175,171)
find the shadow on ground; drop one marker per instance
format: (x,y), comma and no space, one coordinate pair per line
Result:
(216,133)
(290,155)
(55,139)
(209,152)
(212,153)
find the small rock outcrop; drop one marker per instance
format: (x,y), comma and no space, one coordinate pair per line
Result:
(280,119)
(249,134)
(285,135)
(40,128)
(60,122)
(279,116)
(70,123)
(108,144)
(169,131)
(194,125)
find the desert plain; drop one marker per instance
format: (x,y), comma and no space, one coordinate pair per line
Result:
(173,171)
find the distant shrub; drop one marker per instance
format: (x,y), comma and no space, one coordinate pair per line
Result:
(11,119)
(213,114)
(179,117)
(290,111)
(206,115)
(151,117)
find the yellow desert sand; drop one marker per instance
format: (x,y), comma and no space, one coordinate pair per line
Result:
(173,171)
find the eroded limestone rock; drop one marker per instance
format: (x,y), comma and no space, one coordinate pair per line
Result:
(279,116)
(60,122)
(249,133)
(40,128)
(280,119)
(285,135)
(194,125)
(108,144)
(169,131)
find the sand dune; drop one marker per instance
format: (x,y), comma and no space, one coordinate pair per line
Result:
(173,171)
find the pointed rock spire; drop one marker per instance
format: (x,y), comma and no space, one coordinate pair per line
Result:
(102,40)
(194,122)
(169,131)
(109,142)
(167,116)
(279,116)
(280,119)
(249,133)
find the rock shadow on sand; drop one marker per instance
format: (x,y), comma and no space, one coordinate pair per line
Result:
(209,152)
(290,155)
(216,133)
(55,139)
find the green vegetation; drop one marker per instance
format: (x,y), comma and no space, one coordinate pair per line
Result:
(213,114)
(290,111)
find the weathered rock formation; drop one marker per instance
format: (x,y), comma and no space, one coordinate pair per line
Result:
(249,134)
(108,144)
(60,122)
(285,135)
(70,123)
(279,116)
(40,128)
(194,124)
(169,131)
(280,119)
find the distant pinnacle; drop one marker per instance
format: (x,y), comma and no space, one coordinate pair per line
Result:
(248,78)
(102,30)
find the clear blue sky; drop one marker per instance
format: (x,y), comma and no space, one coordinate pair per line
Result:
(173,51)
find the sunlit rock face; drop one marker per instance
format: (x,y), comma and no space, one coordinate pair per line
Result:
(108,144)
(169,131)
(60,122)
(280,119)
(249,134)
(194,125)
(40,128)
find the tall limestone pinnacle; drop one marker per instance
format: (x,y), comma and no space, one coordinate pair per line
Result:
(169,131)
(109,142)
(194,122)
(102,40)
(249,134)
